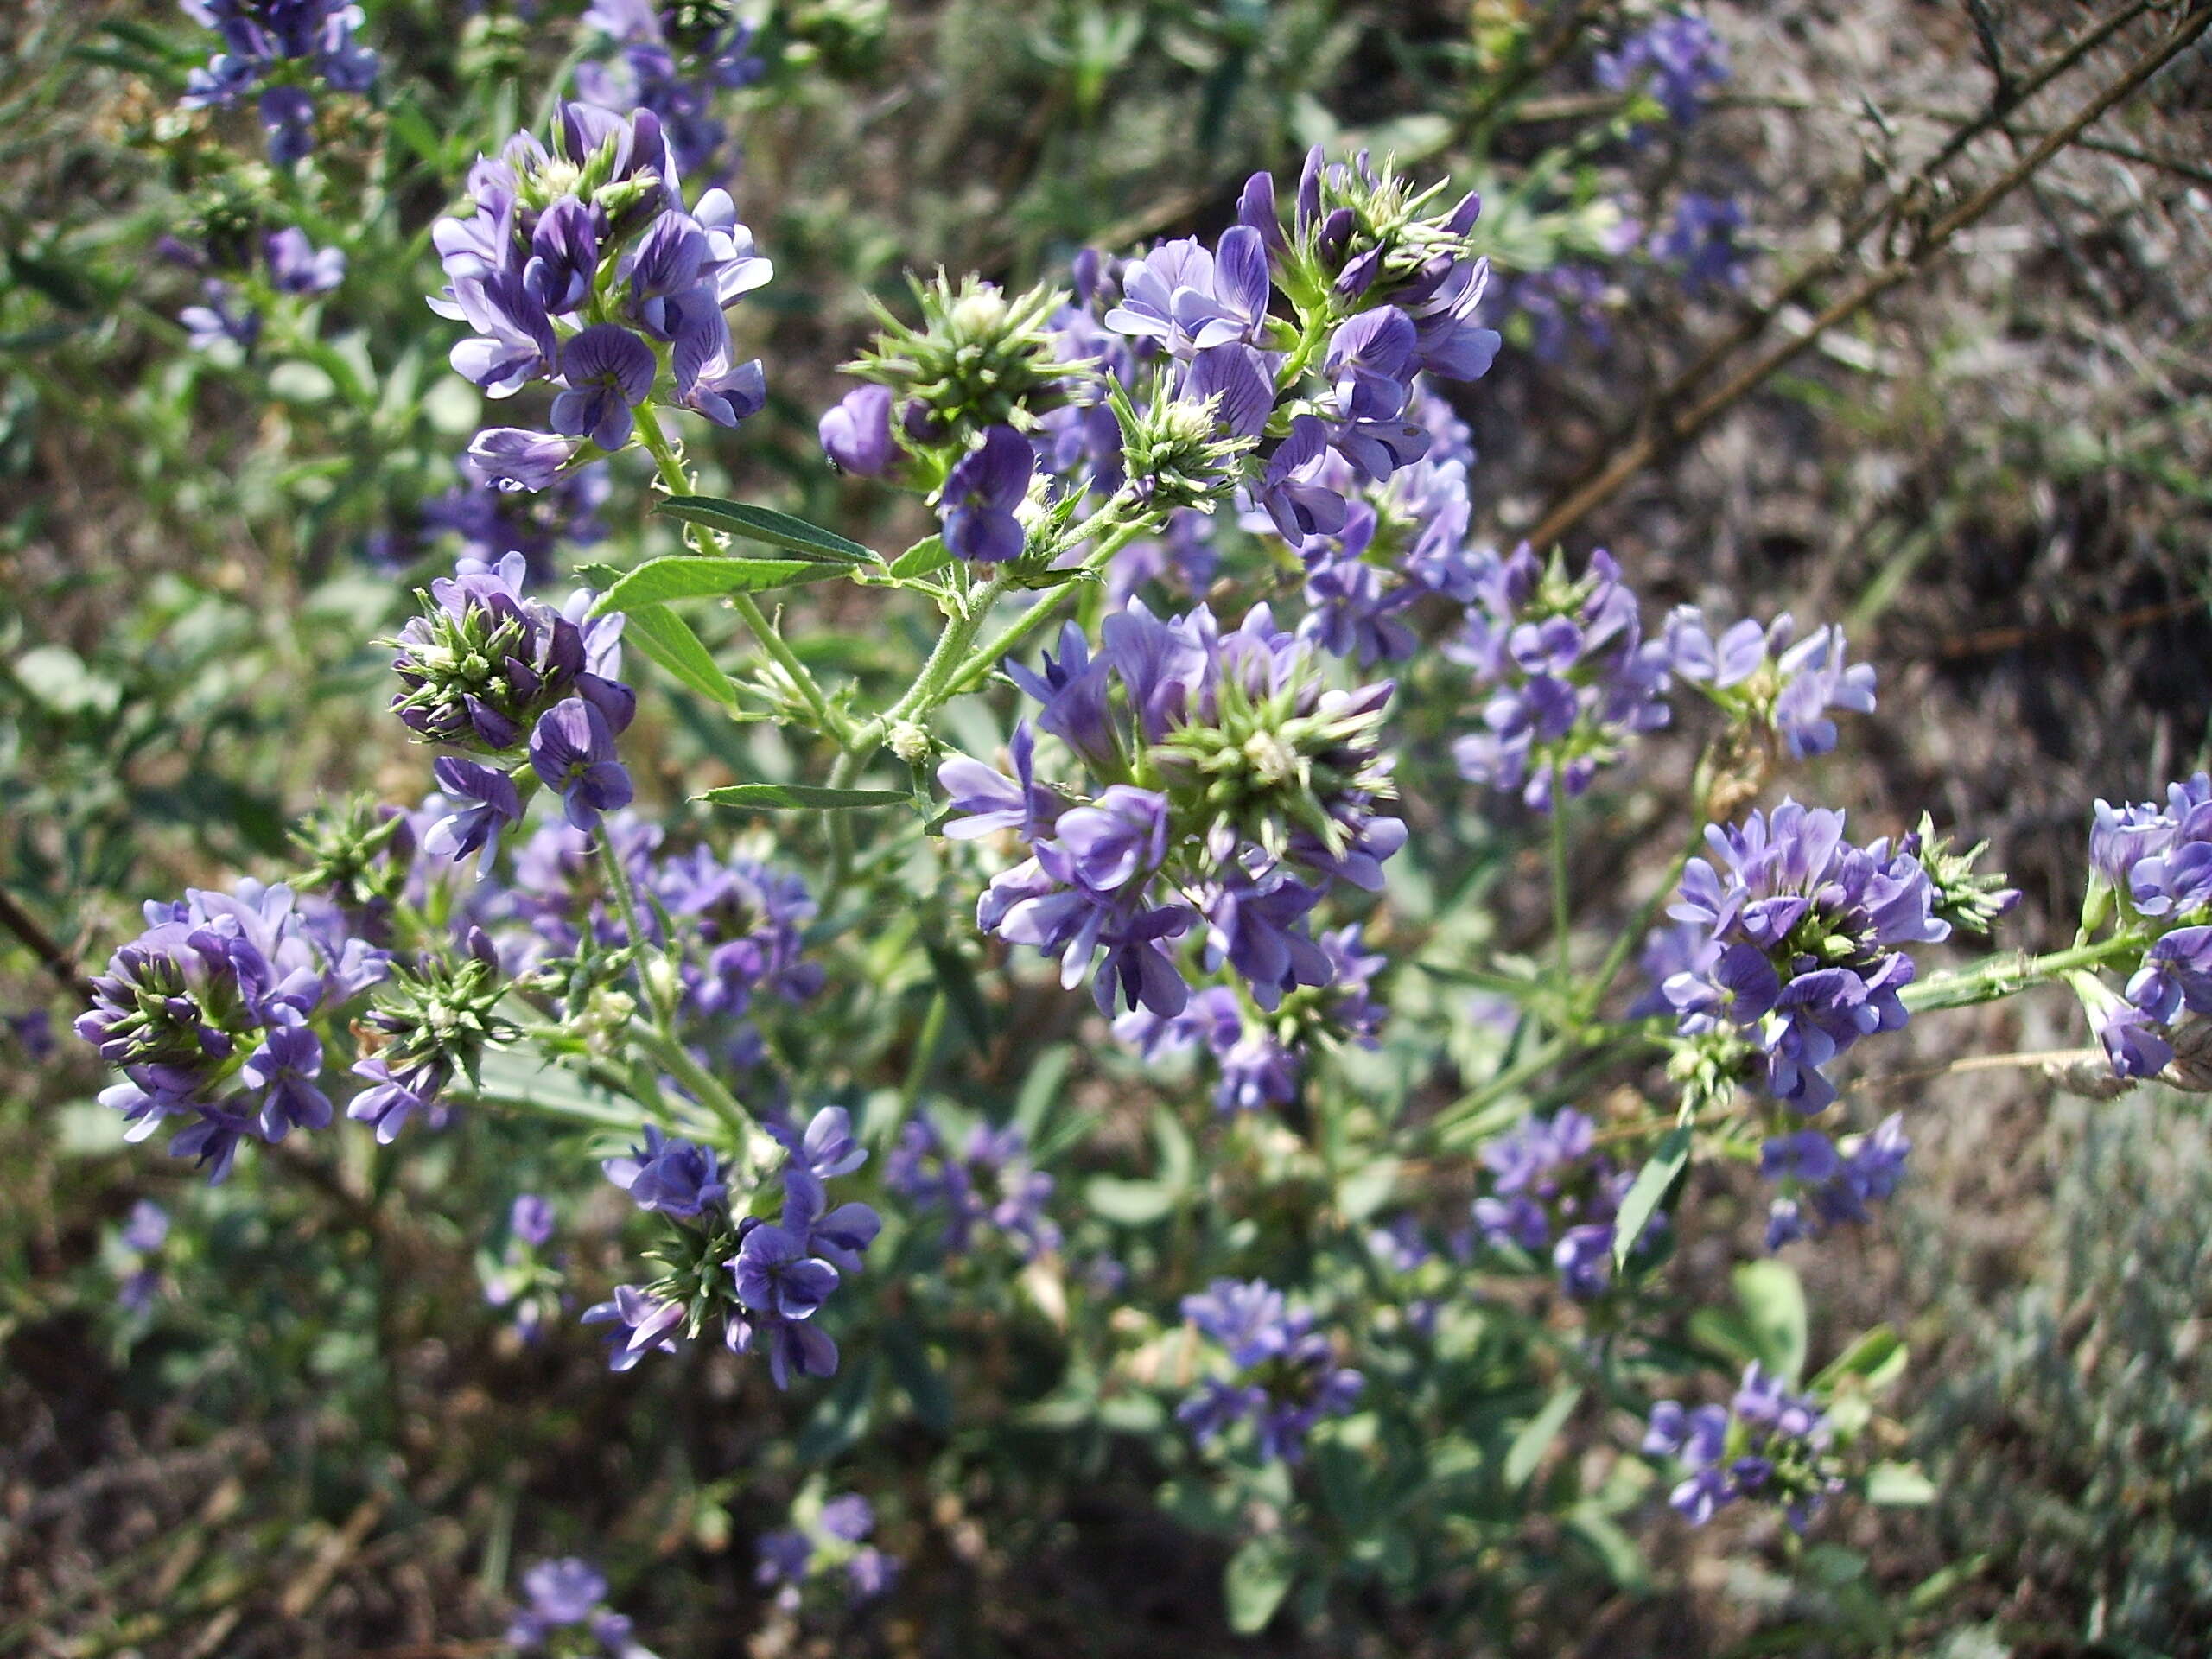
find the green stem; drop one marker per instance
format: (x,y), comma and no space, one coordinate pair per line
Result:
(626,905)
(824,718)
(1632,935)
(1009,639)
(2002,976)
(1562,901)
(748,1141)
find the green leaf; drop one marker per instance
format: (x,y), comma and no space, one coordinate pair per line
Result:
(1258,1576)
(958,980)
(1774,1306)
(1901,1484)
(766,524)
(667,642)
(1133,1203)
(923,557)
(665,580)
(804,798)
(1658,1178)
(918,1378)
(1878,1357)
(1367,1189)
(1537,1434)
(1623,1560)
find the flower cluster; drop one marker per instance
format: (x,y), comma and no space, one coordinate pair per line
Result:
(1284,1377)
(211,1015)
(571,1594)
(141,1238)
(1768,678)
(492,522)
(2150,879)
(1802,934)
(1554,1198)
(834,1544)
(989,1183)
(1766,1443)
(282,47)
(230,309)
(1569,676)
(1402,538)
(522,1279)
(580,267)
(1283,358)
(1260,1055)
(675,60)
(488,668)
(766,1280)
(1700,241)
(440,1023)
(1826,1183)
(1677,60)
(1235,787)
(731,928)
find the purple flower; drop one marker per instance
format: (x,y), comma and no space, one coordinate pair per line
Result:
(1701,240)
(1119,838)
(784,1556)
(870,1573)
(856,434)
(1285,1377)
(775,1276)
(607,371)
(1188,299)
(297,266)
(849,1517)
(485,803)
(1569,675)
(981,494)
(563,256)
(512,458)
(725,394)
(284,1068)
(1676,59)
(531,1219)
(671,1176)
(216,319)
(1808,930)
(794,1347)
(148,1229)
(646,1322)
(393,1097)
(572,751)
(288,121)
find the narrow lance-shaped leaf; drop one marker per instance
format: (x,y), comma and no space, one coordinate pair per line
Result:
(806,797)
(684,577)
(766,524)
(1658,1178)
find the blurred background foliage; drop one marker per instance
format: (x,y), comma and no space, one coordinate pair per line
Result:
(317,1440)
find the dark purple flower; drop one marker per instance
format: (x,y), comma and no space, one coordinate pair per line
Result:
(288,119)
(671,1176)
(850,1518)
(607,371)
(572,751)
(512,458)
(393,1097)
(856,434)
(531,1219)
(484,801)
(775,1276)
(981,494)
(646,1322)
(284,1068)
(297,266)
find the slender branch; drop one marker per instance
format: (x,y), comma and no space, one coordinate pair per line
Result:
(824,719)
(1680,417)
(42,944)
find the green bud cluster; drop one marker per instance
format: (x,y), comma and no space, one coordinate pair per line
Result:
(977,358)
